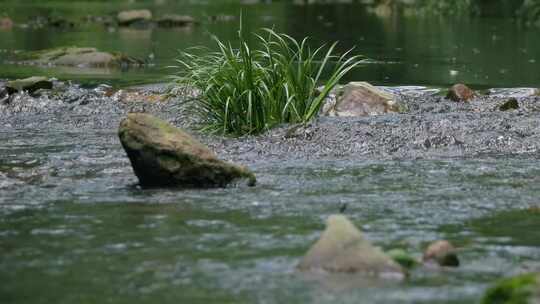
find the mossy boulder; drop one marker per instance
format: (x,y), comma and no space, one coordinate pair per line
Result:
(165,156)
(522,289)
(343,248)
(30,84)
(78,57)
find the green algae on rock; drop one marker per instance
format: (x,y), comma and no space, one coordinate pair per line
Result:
(522,289)
(403,258)
(165,156)
(343,248)
(30,84)
(77,56)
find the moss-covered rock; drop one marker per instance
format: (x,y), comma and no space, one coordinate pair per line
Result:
(522,289)
(404,259)
(165,156)
(76,56)
(30,84)
(343,248)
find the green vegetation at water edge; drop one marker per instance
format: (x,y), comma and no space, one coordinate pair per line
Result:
(247,91)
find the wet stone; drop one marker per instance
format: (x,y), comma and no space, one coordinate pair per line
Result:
(443,253)
(165,156)
(460,93)
(363,99)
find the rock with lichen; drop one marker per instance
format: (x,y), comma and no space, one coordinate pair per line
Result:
(165,156)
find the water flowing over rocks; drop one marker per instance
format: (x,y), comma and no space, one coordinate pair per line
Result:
(165,156)
(343,248)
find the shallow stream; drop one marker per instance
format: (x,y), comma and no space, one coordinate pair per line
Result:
(75,228)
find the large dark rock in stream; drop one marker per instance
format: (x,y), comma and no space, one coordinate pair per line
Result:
(30,84)
(165,156)
(76,57)
(363,99)
(522,289)
(343,248)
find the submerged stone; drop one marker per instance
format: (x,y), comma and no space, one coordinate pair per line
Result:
(343,248)
(126,18)
(79,57)
(443,253)
(30,84)
(522,289)
(460,93)
(165,156)
(175,21)
(363,99)
(510,104)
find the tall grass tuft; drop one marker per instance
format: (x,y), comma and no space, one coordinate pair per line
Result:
(247,91)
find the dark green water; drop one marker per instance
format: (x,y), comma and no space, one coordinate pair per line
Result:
(487,51)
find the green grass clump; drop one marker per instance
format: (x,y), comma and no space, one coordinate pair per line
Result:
(247,91)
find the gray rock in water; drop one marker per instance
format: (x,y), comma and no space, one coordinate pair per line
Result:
(30,84)
(363,99)
(165,156)
(126,18)
(343,248)
(79,57)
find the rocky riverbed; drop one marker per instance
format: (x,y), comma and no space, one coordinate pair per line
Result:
(431,127)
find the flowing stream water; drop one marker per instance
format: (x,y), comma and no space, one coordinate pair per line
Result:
(75,228)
